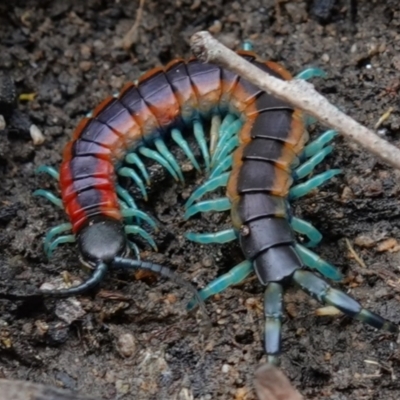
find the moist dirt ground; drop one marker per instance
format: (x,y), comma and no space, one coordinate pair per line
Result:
(134,339)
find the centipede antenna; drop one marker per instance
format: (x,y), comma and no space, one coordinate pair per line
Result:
(97,276)
(128,264)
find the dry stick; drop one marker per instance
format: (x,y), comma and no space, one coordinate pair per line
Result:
(131,37)
(299,93)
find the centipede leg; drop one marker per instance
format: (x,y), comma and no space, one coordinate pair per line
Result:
(235,276)
(137,230)
(310,73)
(221,167)
(305,228)
(207,238)
(302,189)
(198,131)
(324,293)
(313,261)
(229,134)
(124,195)
(60,240)
(163,150)
(318,144)
(183,144)
(209,186)
(221,204)
(158,158)
(139,215)
(49,196)
(130,173)
(49,171)
(54,232)
(273,311)
(134,159)
(308,166)
(230,145)
(225,131)
(247,45)
(215,131)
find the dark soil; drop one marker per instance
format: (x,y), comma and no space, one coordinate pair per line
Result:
(134,339)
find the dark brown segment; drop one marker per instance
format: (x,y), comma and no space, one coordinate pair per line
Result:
(277,264)
(267,102)
(261,234)
(260,176)
(265,149)
(253,206)
(272,125)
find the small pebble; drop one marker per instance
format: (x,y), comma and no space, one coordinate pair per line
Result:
(386,245)
(364,241)
(126,345)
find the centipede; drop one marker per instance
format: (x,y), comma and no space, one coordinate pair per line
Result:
(257,150)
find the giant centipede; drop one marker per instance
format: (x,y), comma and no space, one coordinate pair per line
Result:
(257,149)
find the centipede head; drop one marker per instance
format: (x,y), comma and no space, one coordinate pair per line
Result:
(101,240)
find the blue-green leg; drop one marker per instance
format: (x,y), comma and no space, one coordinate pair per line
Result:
(221,204)
(134,159)
(198,131)
(235,276)
(60,240)
(273,311)
(130,173)
(225,164)
(324,293)
(305,228)
(224,131)
(49,171)
(53,232)
(140,215)
(207,238)
(313,261)
(183,144)
(158,158)
(304,188)
(308,166)
(163,150)
(123,206)
(318,144)
(230,145)
(227,135)
(208,186)
(49,196)
(214,132)
(137,230)
(135,249)
(247,45)
(311,73)
(125,195)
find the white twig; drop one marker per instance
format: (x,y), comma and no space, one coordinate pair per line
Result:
(296,92)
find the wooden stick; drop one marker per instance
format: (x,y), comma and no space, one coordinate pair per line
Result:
(299,93)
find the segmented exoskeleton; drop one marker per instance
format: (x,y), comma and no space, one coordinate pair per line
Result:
(256,149)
